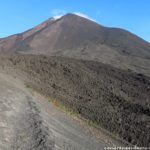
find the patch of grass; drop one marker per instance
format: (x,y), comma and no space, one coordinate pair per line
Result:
(98,126)
(92,124)
(28,86)
(88,122)
(73,113)
(64,108)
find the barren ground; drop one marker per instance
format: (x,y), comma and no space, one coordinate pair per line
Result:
(28,121)
(113,99)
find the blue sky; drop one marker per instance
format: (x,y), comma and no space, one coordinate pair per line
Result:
(19,15)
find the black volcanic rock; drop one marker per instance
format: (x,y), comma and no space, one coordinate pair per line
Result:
(114,99)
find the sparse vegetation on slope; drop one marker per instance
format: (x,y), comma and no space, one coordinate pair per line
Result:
(116,100)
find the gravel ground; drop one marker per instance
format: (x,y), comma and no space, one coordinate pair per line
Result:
(29,123)
(115,100)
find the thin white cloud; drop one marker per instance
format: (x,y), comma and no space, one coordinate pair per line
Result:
(84,16)
(57,13)
(57,17)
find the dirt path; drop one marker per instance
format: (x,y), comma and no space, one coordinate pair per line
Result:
(29,123)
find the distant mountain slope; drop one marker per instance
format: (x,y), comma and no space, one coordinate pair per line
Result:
(78,37)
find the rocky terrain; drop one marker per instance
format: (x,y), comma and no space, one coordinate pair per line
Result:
(29,122)
(114,99)
(101,74)
(77,37)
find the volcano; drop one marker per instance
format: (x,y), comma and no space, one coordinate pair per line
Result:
(77,37)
